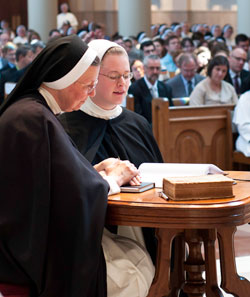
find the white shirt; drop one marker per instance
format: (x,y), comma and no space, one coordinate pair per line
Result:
(242,120)
(96,111)
(19,39)
(152,88)
(68,16)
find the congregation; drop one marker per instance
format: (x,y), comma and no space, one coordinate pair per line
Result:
(208,64)
(170,63)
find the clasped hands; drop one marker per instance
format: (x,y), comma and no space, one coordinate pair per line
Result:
(123,172)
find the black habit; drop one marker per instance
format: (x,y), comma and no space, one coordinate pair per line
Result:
(53,206)
(53,202)
(128,136)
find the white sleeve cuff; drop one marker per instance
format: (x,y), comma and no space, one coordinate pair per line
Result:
(114,188)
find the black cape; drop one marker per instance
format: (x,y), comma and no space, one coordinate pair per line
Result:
(53,206)
(128,136)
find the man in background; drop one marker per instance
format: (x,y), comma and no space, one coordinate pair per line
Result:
(149,87)
(183,84)
(237,76)
(24,56)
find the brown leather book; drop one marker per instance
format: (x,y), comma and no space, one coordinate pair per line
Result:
(198,187)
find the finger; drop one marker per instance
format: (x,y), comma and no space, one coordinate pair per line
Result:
(135,181)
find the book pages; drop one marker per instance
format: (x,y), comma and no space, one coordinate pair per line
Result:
(155,172)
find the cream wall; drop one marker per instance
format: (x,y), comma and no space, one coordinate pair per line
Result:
(163,11)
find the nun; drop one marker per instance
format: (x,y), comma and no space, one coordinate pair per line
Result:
(102,128)
(53,202)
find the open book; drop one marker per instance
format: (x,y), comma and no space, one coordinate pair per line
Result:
(155,172)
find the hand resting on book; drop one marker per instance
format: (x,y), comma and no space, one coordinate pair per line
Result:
(123,171)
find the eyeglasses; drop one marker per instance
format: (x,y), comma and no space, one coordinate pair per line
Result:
(152,68)
(90,87)
(117,76)
(239,59)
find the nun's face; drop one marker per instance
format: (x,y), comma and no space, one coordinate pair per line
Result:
(113,81)
(72,97)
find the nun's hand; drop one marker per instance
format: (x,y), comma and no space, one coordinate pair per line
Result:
(106,163)
(123,172)
(135,181)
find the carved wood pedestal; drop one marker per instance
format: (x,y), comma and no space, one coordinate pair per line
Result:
(195,226)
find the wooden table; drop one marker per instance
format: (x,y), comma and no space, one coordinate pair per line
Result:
(197,223)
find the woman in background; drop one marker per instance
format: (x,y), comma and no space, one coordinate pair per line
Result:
(213,89)
(137,70)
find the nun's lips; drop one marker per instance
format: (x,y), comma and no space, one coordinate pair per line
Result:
(119,92)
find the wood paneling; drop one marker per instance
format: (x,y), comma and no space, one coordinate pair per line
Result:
(15,12)
(193,134)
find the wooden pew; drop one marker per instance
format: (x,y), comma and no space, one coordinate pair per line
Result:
(130,102)
(240,161)
(181,101)
(193,134)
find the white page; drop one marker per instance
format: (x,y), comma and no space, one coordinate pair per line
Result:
(155,172)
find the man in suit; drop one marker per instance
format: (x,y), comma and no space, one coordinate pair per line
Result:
(242,41)
(24,57)
(237,76)
(183,83)
(149,87)
(8,56)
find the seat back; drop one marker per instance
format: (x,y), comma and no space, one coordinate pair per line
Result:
(180,101)
(130,102)
(188,134)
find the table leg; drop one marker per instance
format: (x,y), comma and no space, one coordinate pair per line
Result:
(209,238)
(161,283)
(177,276)
(195,265)
(231,282)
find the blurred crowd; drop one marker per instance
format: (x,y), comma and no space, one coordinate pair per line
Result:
(199,43)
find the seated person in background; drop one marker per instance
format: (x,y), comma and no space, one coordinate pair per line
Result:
(137,69)
(37,46)
(213,89)
(203,55)
(237,76)
(187,45)
(147,47)
(149,87)
(66,15)
(219,49)
(103,129)
(183,84)
(227,33)
(21,35)
(241,119)
(132,51)
(24,56)
(172,45)
(8,56)
(242,41)
(160,49)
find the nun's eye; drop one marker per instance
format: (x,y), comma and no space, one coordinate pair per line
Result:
(89,87)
